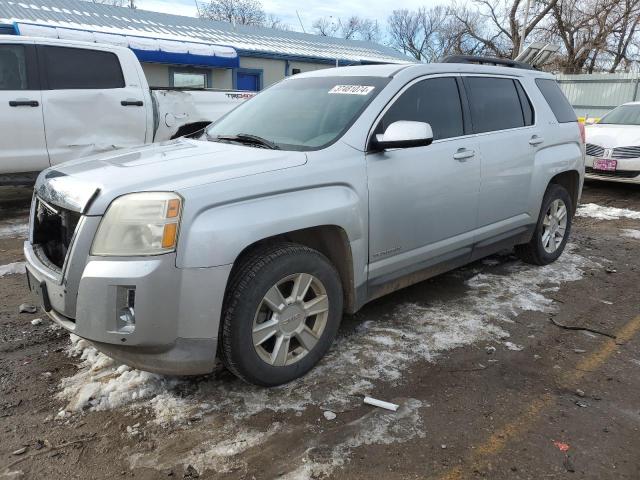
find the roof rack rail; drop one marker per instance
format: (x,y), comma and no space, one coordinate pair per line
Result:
(501,62)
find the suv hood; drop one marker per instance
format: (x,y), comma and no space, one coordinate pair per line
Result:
(93,182)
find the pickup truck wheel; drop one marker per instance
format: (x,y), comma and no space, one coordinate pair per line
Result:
(281,315)
(552,230)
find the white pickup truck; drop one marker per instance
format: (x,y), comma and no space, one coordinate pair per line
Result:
(61,100)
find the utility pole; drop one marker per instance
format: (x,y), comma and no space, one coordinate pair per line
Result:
(523,31)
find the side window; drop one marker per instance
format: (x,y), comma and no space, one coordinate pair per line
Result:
(13,67)
(435,101)
(559,104)
(494,103)
(525,103)
(77,68)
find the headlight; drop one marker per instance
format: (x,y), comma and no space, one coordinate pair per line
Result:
(139,224)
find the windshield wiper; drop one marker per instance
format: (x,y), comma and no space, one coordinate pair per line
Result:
(246,138)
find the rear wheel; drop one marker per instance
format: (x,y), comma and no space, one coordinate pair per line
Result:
(552,230)
(282,312)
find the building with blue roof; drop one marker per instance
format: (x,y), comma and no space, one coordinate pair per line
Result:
(178,51)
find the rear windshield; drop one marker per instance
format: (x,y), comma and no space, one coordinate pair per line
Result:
(623,115)
(559,104)
(301,113)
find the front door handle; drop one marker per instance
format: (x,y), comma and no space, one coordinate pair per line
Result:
(132,103)
(536,140)
(463,154)
(24,103)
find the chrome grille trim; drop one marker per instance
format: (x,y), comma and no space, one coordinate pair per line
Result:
(594,150)
(626,152)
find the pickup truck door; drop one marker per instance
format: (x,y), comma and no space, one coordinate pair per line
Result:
(22,139)
(90,102)
(423,201)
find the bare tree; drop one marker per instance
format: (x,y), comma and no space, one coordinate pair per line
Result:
(117,3)
(353,28)
(238,12)
(433,33)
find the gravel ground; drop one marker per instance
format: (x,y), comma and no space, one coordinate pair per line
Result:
(489,386)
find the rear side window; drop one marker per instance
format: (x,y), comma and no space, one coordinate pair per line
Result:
(77,68)
(494,103)
(525,103)
(558,103)
(435,101)
(13,67)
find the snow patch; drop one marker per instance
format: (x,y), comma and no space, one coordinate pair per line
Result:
(606,213)
(14,229)
(380,350)
(12,269)
(513,346)
(630,233)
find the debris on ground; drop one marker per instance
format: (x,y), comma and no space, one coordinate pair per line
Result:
(579,350)
(585,329)
(563,447)
(36,321)
(329,415)
(27,308)
(611,270)
(490,350)
(568,464)
(20,451)
(580,393)
(380,403)
(581,404)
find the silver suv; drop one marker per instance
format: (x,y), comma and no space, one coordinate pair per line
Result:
(323,192)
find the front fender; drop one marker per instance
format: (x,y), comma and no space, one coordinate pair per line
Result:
(217,235)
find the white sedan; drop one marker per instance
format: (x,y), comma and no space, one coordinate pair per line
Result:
(613,145)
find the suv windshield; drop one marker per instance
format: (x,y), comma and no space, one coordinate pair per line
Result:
(623,115)
(298,114)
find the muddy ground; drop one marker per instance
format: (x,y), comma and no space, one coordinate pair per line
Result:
(488,385)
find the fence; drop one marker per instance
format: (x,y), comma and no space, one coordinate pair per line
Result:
(595,94)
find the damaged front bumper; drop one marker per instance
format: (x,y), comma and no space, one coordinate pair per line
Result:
(143,311)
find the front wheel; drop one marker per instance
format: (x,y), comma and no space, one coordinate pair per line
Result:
(552,230)
(282,312)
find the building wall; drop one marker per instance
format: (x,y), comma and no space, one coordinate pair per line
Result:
(158,75)
(273,70)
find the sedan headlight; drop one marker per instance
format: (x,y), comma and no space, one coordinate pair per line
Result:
(139,224)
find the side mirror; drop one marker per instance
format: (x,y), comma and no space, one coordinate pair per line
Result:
(404,134)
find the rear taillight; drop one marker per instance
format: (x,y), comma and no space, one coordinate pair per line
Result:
(582,133)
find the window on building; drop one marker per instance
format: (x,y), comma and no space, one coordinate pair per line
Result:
(435,101)
(495,104)
(295,71)
(189,78)
(13,68)
(79,68)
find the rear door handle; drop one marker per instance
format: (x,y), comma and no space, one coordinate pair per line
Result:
(132,103)
(463,154)
(23,103)
(536,140)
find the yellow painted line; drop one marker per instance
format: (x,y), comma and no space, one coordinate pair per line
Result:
(498,440)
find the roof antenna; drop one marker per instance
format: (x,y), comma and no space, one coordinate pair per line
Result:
(300,20)
(197,7)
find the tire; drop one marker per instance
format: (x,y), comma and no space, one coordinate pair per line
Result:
(537,251)
(250,314)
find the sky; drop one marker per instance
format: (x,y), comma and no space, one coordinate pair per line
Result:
(309,10)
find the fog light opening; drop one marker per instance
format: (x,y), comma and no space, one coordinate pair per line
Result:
(126,315)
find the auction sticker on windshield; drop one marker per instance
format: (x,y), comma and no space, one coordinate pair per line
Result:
(352,89)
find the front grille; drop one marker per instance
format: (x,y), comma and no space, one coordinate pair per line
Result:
(594,150)
(615,173)
(53,229)
(626,152)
